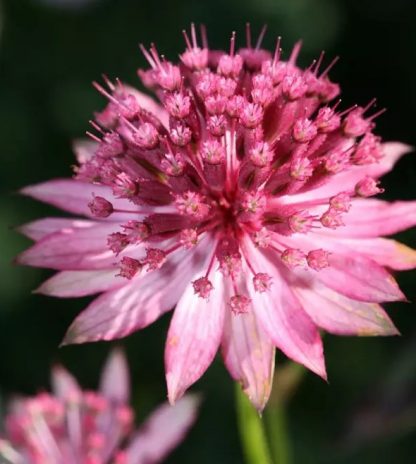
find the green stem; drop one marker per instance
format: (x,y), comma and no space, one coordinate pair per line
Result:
(253,437)
(286,382)
(275,417)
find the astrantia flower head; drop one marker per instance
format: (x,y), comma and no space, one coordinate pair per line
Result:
(75,426)
(242,199)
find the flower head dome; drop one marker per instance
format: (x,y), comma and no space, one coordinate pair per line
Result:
(75,426)
(243,198)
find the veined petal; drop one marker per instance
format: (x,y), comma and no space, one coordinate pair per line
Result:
(249,356)
(371,218)
(36,230)
(115,378)
(140,302)
(163,431)
(73,249)
(359,278)
(350,272)
(194,337)
(282,316)
(341,315)
(68,284)
(383,251)
(346,180)
(74,195)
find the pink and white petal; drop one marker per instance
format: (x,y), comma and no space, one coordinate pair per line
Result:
(115,378)
(350,272)
(372,218)
(249,355)
(383,251)
(73,249)
(163,431)
(36,230)
(139,302)
(194,337)
(74,195)
(149,104)
(346,180)
(64,384)
(84,149)
(341,315)
(392,151)
(282,317)
(70,284)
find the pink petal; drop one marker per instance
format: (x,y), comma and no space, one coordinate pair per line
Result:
(163,431)
(249,356)
(84,149)
(282,317)
(340,315)
(359,278)
(346,180)
(40,228)
(194,337)
(139,302)
(149,104)
(115,378)
(64,385)
(73,196)
(69,284)
(371,218)
(393,151)
(383,251)
(73,249)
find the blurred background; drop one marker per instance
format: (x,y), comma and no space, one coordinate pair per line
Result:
(50,51)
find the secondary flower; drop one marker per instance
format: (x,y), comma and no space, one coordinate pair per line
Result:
(242,199)
(75,426)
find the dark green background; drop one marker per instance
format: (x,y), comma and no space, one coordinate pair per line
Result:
(48,58)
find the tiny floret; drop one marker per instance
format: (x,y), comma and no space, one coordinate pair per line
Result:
(100,207)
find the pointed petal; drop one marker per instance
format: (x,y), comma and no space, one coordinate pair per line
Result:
(64,385)
(340,315)
(282,317)
(84,149)
(359,278)
(249,356)
(69,284)
(393,151)
(36,230)
(73,196)
(371,218)
(72,249)
(139,302)
(115,378)
(194,337)
(163,431)
(350,272)
(383,251)
(346,180)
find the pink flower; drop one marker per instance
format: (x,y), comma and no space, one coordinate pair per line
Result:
(243,207)
(74,426)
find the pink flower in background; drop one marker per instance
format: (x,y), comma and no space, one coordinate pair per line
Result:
(243,199)
(74,426)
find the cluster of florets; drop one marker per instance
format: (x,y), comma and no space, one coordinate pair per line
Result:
(47,429)
(239,131)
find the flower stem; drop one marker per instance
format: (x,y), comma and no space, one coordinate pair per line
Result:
(275,417)
(253,437)
(286,382)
